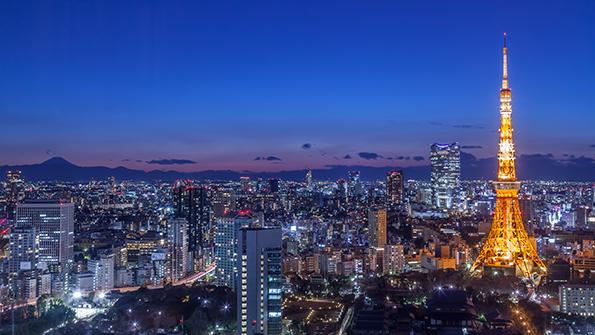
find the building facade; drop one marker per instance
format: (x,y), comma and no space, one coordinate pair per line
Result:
(446,173)
(177,249)
(53,222)
(259,293)
(226,241)
(377,227)
(577,299)
(394,187)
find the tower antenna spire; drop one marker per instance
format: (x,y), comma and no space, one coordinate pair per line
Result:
(504,65)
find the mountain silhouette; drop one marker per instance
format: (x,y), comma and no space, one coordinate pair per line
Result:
(530,167)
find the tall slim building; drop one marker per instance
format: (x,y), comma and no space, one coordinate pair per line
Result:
(394,187)
(13,192)
(446,173)
(226,241)
(354,185)
(192,203)
(259,293)
(508,248)
(309,182)
(177,249)
(53,222)
(377,227)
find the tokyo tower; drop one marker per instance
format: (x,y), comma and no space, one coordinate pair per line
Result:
(508,249)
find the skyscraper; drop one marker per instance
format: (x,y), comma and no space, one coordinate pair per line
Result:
(177,249)
(394,187)
(53,222)
(309,180)
(226,241)
(354,185)
(377,227)
(259,293)
(13,192)
(192,203)
(446,172)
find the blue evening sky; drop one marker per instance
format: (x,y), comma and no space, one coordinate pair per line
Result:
(222,82)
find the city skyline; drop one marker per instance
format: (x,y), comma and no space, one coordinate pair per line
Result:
(140,93)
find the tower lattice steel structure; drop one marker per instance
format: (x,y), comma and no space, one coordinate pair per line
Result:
(508,247)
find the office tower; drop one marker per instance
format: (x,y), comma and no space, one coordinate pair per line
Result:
(273,185)
(226,241)
(14,192)
(191,203)
(508,248)
(394,187)
(309,182)
(394,259)
(377,227)
(177,249)
(354,186)
(259,294)
(54,231)
(577,299)
(103,269)
(446,172)
(21,248)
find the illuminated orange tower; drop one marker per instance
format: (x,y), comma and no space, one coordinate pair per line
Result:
(508,248)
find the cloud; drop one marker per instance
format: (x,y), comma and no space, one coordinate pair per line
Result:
(170,161)
(307,146)
(471,147)
(369,155)
(592,145)
(347,156)
(467,126)
(267,158)
(418,158)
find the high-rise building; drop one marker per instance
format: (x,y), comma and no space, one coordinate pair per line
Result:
(394,187)
(446,172)
(394,259)
(177,249)
(577,299)
(103,269)
(226,241)
(22,246)
(14,192)
(192,203)
(354,185)
(508,248)
(53,222)
(259,293)
(309,181)
(377,227)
